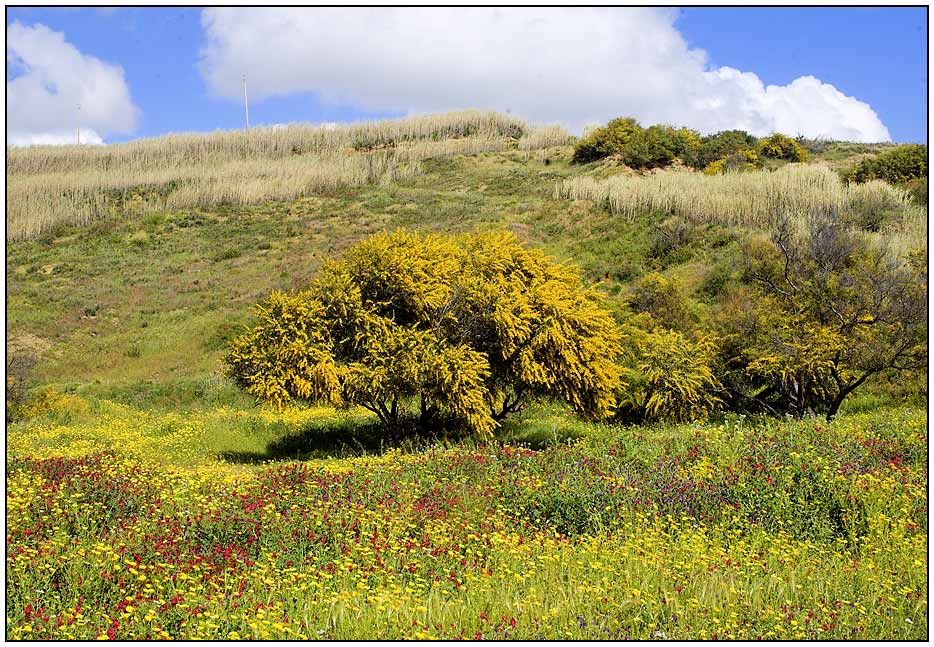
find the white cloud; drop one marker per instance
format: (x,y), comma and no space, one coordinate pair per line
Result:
(53,78)
(56,138)
(575,66)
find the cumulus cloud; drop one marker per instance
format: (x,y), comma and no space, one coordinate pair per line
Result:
(574,66)
(54,138)
(51,78)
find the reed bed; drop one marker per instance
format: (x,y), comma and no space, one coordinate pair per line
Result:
(75,185)
(545,137)
(270,142)
(423,150)
(37,203)
(751,199)
(907,235)
(539,140)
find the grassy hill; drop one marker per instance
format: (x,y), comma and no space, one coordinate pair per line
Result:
(141,480)
(146,295)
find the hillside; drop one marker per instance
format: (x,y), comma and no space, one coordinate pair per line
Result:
(132,302)
(148,497)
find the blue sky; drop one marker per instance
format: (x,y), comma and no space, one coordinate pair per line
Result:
(874,55)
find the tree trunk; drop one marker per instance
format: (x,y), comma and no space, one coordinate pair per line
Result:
(508,407)
(845,391)
(388,417)
(835,406)
(426,412)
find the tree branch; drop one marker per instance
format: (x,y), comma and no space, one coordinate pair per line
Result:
(510,407)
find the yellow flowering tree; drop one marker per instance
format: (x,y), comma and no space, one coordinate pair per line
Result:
(797,361)
(672,377)
(469,327)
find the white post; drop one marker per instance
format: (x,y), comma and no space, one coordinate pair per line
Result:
(78,128)
(246,104)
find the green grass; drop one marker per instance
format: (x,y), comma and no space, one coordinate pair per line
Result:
(167,283)
(843,156)
(559,528)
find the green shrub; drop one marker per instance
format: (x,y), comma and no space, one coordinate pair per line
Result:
(782,147)
(650,148)
(900,164)
(603,142)
(873,204)
(688,143)
(226,254)
(715,281)
(637,147)
(719,146)
(623,269)
(658,146)
(662,298)
(918,190)
(670,241)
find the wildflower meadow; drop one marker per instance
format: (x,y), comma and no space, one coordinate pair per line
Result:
(125,524)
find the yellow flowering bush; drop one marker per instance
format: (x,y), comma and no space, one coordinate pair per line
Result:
(471,327)
(671,378)
(783,147)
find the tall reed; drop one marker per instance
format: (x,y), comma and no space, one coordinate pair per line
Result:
(736,199)
(48,186)
(268,141)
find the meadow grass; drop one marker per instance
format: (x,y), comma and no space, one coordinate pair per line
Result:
(132,524)
(263,142)
(52,186)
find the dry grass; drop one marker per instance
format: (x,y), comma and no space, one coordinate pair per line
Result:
(268,142)
(735,199)
(909,234)
(421,150)
(37,203)
(48,186)
(545,137)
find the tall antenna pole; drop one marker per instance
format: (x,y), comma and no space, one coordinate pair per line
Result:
(246,104)
(78,127)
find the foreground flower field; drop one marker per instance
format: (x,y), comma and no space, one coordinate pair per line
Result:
(127,524)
